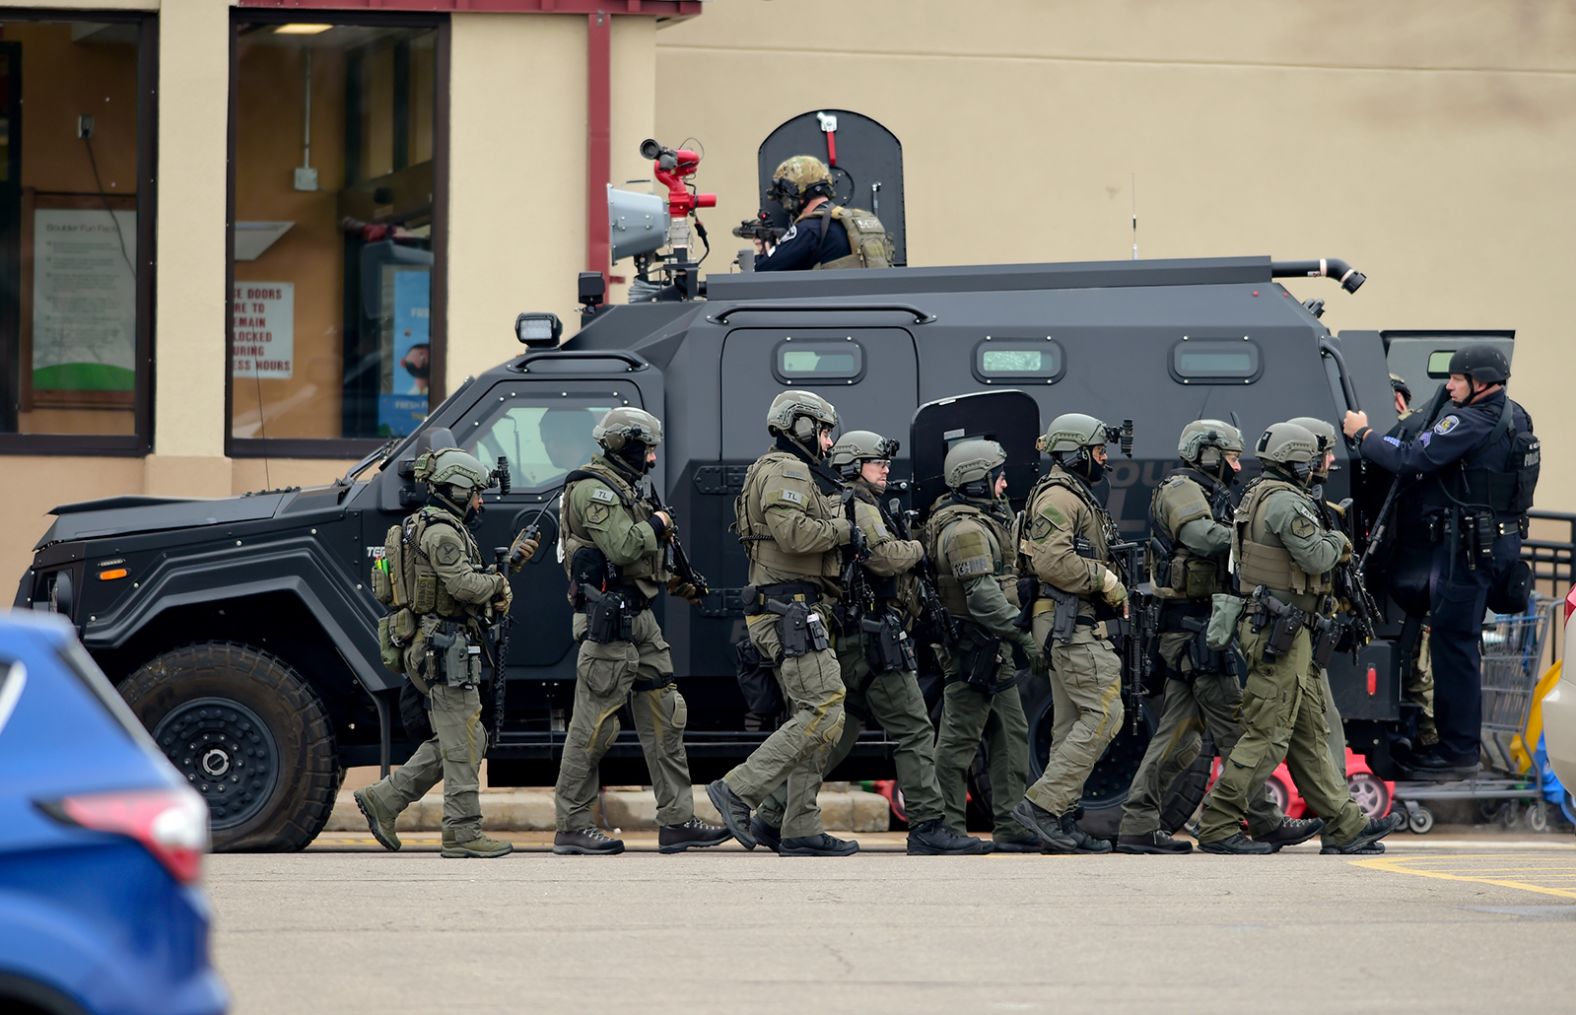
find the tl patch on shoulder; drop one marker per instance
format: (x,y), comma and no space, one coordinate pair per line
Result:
(604,495)
(791,496)
(1447,424)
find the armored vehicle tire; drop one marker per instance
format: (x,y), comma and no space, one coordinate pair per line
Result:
(251,736)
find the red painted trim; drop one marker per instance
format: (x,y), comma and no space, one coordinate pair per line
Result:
(648,8)
(599,139)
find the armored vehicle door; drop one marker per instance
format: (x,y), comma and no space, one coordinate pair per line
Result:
(1009,417)
(1422,358)
(543,428)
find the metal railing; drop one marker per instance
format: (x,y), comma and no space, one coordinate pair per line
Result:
(1550,550)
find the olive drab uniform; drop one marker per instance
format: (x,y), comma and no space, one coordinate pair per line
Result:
(788,518)
(970,543)
(1064,537)
(604,514)
(1190,519)
(867,238)
(889,696)
(1280,546)
(446,592)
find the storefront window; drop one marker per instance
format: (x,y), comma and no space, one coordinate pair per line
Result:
(337,232)
(75,296)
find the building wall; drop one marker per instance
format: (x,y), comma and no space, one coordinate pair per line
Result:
(1432,145)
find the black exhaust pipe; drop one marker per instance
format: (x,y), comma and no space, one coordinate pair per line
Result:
(1329,267)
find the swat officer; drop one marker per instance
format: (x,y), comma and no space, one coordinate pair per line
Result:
(968,536)
(611,545)
(1064,537)
(823,234)
(876,656)
(1283,556)
(788,518)
(1189,546)
(449,591)
(1479,464)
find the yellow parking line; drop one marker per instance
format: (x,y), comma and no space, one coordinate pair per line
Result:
(1407,865)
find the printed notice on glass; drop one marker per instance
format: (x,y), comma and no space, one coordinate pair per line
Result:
(263,329)
(84,300)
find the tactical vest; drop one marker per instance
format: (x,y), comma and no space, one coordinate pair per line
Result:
(867,238)
(1504,489)
(886,588)
(949,588)
(763,550)
(1261,559)
(1176,571)
(647,572)
(1101,532)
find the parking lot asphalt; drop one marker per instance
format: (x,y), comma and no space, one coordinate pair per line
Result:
(1471,922)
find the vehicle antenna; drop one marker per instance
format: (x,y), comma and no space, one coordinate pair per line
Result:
(1133,189)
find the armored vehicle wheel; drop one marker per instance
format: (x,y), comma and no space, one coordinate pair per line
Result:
(249,734)
(1187,792)
(413,713)
(1106,788)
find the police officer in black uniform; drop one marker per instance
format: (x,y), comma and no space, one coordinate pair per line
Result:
(1479,465)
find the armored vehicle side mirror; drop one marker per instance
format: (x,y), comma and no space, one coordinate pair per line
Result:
(538,330)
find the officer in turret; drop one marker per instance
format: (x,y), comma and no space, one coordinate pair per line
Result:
(1064,538)
(789,518)
(612,548)
(1189,548)
(876,654)
(1284,555)
(967,535)
(449,590)
(823,234)
(1479,464)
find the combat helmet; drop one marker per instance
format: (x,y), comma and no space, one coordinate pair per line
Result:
(1291,447)
(855,448)
(799,416)
(797,180)
(971,468)
(1204,443)
(453,476)
(1481,364)
(1324,432)
(627,434)
(1069,440)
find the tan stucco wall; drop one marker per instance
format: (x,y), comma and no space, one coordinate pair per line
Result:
(1432,145)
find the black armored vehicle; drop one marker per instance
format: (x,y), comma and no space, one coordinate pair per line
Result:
(242,631)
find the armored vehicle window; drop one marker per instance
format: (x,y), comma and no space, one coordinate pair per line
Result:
(1216,361)
(1439,363)
(542,434)
(998,359)
(818,360)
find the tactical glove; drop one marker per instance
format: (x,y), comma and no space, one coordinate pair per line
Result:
(1036,656)
(505,595)
(1346,548)
(1111,590)
(522,550)
(684,590)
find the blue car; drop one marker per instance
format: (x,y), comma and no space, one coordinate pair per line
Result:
(101,843)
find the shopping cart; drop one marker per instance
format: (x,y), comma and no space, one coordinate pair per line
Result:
(1506,789)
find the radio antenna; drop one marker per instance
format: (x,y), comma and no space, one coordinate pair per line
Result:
(1133,189)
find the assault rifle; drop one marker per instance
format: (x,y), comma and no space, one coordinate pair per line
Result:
(936,624)
(675,559)
(759,228)
(1349,584)
(1138,627)
(856,584)
(498,641)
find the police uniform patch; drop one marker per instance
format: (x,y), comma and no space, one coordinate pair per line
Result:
(604,495)
(1052,514)
(596,514)
(792,473)
(971,567)
(447,553)
(1040,528)
(791,496)
(1447,424)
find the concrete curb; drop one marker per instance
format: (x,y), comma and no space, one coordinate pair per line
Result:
(843,809)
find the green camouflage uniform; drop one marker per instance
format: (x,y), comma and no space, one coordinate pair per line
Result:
(1195,699)
(1280,544)
(791,531)
(968,540)
(891,698)
(447,566)
(601,508)
(1086,674)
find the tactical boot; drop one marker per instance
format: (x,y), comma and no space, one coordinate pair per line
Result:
(480,847)
(586,842)
(735,812)
(380,821)
(692,833)
(1049,827)
(1155,842)
(769,836)
(1237,845)
(817,845)
(934,838)
(1431,766)
(1086,842)
(1372,832)
(1372,849)
(1291,832)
